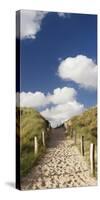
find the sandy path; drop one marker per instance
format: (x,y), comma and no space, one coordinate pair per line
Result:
(62,166)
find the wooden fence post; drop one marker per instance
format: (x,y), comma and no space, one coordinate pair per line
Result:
(92,158)
(43,138)
(82,145)
(71,130)
(35,145)
(74,132)
(48,129)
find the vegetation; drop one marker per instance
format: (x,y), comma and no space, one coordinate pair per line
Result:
(29,123)
(86,125)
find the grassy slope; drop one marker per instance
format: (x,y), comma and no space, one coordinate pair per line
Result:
(31,124)
(86,125)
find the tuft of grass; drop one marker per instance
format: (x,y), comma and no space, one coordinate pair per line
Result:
(29,123)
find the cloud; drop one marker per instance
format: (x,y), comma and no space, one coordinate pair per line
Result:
(59,59)
(64,15)
(39,99)
(80,69)
(61,14)
(31,23)
(29,99)
(63,95)
(58,114)
(62,104)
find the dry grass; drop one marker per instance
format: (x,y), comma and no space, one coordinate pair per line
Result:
(29,123)
(86,125)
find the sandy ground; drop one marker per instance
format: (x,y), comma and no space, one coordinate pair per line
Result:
(62,166)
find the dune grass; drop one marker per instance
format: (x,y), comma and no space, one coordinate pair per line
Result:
(86,125)
(29,123)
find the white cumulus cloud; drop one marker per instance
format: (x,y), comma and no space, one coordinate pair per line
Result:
(80,69)
(29,99)
(31,23)
(59,113)
(39,99)
(62,95)
(62,104)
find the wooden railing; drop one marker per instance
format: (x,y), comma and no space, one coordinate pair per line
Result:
(92,160)
(43,141)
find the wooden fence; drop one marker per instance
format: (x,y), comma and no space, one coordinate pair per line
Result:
(91,151)
(43,141)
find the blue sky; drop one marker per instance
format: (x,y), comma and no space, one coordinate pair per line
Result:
(53,38)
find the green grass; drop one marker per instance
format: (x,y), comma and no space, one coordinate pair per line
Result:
(29,124)
(86,125)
